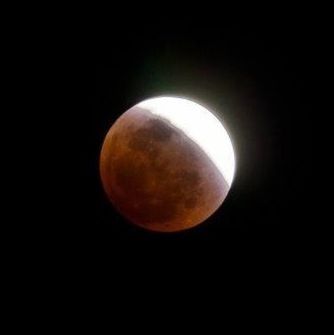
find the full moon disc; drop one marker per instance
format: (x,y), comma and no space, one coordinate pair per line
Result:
(167,164)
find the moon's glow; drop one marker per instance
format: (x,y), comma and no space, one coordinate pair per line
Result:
(200,125)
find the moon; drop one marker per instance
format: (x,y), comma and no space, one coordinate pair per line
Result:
(167,164)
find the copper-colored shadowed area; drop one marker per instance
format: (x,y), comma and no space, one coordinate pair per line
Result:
(156,176)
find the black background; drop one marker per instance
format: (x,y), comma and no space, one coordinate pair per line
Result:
(258,70)
(257,75)
(73,72)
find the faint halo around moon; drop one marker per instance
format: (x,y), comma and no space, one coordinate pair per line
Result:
(167,164)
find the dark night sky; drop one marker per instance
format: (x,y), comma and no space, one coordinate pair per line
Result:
(71,255)
(256,75)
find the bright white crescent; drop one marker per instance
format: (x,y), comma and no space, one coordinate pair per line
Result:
(201,125)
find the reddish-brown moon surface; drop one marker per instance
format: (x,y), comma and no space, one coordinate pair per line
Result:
(157,176)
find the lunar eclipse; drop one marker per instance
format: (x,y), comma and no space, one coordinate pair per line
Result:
(167,164)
